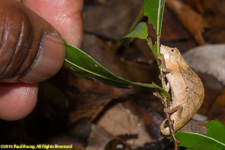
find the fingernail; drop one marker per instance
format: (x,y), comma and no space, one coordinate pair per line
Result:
(48,61)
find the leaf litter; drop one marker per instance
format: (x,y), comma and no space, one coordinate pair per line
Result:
(88,100)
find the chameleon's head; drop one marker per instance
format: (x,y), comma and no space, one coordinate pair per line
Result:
(172,56)
(169,53)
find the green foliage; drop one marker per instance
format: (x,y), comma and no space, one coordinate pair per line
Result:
(214,139)
(141,31)
(154,9)
(216,129)
(155,50)
(204,147)
(86,67)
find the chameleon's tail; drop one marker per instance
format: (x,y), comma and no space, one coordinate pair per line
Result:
(164,130)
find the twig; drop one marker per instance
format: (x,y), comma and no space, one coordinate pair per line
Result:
(170,122)
(172,132)
(166,101)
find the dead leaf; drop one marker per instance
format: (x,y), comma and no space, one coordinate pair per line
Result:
(97,49)
(197,5)
(120,121)
(220,5)
(116,144)
(143,47)
(208,59)
(182,45)
(191,20)
(213,89)
(217,111)
(172,29)
(149,111)
(88,98)
(86,105)
(112,19)
(195,126)
(199,117)
(77,135)
(98,138)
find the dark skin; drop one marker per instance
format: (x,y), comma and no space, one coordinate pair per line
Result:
(17,100)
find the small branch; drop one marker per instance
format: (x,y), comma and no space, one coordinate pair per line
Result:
(158,44)
(172,132)
(170,122)
(162,77)
(165,101)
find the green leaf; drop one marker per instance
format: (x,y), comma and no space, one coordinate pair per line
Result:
(155,50)
(141,31)
(189,139)
(214,138)
(154,9)
(204,147)
(86,67)
(216,130)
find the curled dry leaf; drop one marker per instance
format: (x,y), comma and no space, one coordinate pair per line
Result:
(208,59)
(191,20)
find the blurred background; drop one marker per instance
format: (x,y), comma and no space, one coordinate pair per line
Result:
(94,116)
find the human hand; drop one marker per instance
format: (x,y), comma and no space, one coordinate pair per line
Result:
(17,99)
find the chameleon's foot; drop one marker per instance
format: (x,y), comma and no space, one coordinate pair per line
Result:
(174,109)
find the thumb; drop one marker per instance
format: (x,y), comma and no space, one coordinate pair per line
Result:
(31,50)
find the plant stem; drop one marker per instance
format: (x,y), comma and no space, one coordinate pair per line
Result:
(170,122)
(166,101)
(158,44)
(158,29)
(172,132)
(162,78)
